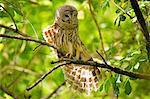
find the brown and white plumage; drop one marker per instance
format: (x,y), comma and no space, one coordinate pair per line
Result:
(64,35)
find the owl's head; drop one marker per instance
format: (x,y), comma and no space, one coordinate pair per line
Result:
(66,17)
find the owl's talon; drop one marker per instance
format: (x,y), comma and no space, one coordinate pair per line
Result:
(68,55)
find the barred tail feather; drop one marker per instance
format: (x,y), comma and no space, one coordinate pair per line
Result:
(82,78)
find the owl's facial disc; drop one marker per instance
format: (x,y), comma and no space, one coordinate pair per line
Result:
(67,15)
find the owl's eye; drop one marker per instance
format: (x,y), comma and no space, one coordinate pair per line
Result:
(66,15)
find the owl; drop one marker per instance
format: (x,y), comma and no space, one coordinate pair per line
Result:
(65,36)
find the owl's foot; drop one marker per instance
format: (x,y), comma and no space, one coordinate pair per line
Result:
(68,55)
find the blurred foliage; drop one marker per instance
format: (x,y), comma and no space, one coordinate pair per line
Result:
(21,65)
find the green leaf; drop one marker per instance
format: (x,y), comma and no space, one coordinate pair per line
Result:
(107,85)
(3,14)
(122,18)
(95,4)
(131,78)
(128,67)
(117,1)
(105,4)
(10,10)
(118,79)
(115,85)
(115,22)
(2,94)
(17,10)
(101,88)
(12,6)
(118,10)
(137,66)
(128,88)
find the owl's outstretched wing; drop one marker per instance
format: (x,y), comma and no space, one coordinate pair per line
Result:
(49,34)
(82,78)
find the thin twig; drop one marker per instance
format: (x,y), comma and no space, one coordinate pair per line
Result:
(43,77)
(27,39)
(7,91)
(120,8)
(10,17)
(98,28)
(103,60)
(59,61)
(36,47)
(114,69)
(14,30)
(55,91)
(102,57)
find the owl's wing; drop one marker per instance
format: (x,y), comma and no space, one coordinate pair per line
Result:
(82,78)
(49,34)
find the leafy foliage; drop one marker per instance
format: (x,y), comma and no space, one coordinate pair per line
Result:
(21,65)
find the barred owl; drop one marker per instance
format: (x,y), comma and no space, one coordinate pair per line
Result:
(64,35)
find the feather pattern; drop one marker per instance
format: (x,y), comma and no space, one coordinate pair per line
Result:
(80,77)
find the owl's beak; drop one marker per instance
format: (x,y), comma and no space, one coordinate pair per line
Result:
(71,21)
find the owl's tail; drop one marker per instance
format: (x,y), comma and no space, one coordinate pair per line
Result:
(82,78)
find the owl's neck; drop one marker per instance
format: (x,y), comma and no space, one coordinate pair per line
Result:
(66,27)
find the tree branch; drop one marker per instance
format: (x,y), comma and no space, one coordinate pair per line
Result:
(7,91)
(10,17)
(111,68)
(55,91)
(142,23)
(43,77)
(27,39)
(14,30)
(102,57)
(120,8)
